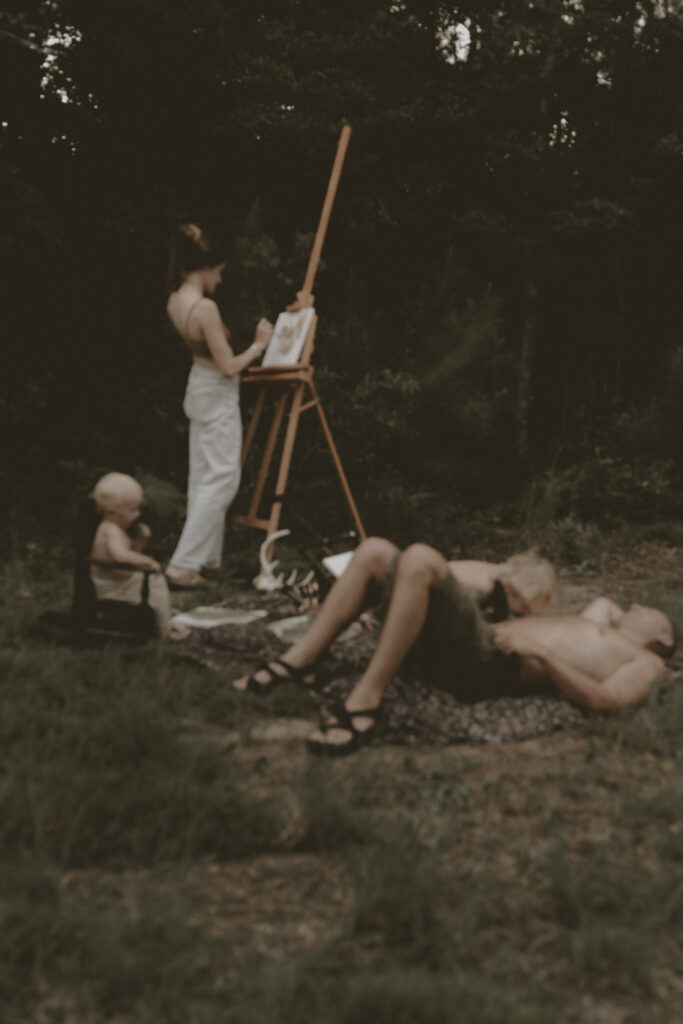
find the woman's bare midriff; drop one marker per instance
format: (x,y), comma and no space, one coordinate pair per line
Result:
(203,361)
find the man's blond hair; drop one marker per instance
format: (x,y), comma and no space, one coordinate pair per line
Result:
(531,576)
(115,489)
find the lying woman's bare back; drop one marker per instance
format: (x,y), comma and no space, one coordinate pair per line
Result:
(475,576)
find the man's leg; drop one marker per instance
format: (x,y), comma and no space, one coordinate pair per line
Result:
(372,560)
(419,569)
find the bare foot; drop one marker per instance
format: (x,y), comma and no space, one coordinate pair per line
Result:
(179,632)
(185,579)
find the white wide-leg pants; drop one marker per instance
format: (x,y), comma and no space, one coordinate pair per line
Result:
(213,409)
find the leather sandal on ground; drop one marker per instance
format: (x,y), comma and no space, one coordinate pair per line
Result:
(343,719)
(284,673)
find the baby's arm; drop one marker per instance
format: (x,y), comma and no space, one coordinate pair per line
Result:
(139,534)
(114,546)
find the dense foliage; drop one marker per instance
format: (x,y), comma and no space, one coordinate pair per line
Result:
(501,285)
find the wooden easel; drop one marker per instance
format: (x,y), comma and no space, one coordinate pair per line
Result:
(294,384)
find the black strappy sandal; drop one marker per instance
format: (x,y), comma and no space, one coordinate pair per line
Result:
(342,718)
(289,674)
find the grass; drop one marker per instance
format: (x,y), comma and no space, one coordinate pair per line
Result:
(313,991)
(80,731)
(157,864)
(97,955)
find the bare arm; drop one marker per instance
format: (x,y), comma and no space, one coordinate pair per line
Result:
(603,611)
(140,537)
(214,332)
(628,684)
(113,546)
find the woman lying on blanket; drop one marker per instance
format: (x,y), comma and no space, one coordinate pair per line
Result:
(523,585)
(600,660)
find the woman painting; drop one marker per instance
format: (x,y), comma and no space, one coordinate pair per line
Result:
(211,401)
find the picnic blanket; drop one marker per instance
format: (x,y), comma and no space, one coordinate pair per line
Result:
(414,713)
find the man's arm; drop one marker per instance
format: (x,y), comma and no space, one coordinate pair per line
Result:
(629,684)
(603,611)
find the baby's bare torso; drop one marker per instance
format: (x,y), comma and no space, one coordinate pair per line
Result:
(107,535)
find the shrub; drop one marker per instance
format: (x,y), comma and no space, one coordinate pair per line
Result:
(607,490)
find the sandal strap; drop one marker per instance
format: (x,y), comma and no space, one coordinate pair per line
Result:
(254,686)
(357,737)
(342,718)
(291,674)
(297,674)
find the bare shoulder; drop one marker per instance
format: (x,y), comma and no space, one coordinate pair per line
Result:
(207,312)
(103,538)
(106,529)
(632,682)
(108,533)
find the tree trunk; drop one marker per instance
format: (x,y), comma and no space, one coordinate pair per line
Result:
(524,377)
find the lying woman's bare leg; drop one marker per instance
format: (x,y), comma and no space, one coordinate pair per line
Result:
(419,569)
(371,560)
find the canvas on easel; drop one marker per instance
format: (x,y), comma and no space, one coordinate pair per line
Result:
(288,338)
(286,374)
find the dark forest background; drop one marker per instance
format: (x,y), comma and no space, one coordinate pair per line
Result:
(500,297)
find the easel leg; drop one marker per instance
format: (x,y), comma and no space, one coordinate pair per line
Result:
(286,459)
(302,400)
(338,466)
(253,423)
(268,454)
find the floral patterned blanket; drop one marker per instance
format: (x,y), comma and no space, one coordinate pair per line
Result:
(414,713)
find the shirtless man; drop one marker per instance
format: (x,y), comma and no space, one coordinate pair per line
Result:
(601,660)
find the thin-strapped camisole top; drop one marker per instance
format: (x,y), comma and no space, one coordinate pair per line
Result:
(197,346)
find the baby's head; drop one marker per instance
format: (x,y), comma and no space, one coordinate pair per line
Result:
(118,497)
(530,583)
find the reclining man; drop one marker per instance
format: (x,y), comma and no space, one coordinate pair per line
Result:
(601,660)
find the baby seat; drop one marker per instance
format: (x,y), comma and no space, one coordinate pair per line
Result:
(95,617)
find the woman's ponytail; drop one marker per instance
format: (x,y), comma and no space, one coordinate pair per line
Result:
(190,250)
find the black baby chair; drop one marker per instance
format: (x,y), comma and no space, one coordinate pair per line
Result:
(95,618)
(92,620)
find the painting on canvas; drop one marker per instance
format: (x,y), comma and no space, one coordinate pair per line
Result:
(289,335)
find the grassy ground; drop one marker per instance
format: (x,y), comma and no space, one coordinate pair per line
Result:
(169,853)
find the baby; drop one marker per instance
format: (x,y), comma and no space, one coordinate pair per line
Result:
(116,555)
